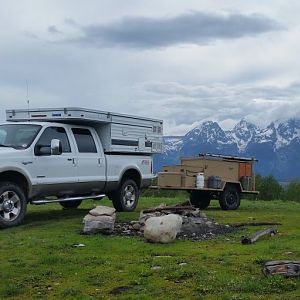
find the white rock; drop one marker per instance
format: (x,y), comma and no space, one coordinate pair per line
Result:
(162,229)
(102,211)
(99,224)
(156,268)
(182,264)
(79,245)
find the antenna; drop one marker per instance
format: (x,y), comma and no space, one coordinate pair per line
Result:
(28,102)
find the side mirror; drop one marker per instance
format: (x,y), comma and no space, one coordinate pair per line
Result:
(56,147)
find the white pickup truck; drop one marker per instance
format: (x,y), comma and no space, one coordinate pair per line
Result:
(67,155)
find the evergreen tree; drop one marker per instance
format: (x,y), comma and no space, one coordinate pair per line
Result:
(268,187)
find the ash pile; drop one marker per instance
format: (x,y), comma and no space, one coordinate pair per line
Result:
(166,223)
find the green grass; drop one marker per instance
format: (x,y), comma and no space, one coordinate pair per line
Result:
(38,260)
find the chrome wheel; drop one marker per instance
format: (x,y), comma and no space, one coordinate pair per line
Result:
(10,206)
(129,196)
(126,197)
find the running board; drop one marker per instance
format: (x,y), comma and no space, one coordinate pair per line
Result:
(45,201)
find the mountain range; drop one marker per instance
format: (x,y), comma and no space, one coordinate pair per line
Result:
(277,146)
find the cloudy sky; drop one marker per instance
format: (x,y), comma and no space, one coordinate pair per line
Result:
(180,61)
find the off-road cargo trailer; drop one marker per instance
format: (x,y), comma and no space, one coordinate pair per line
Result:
(210,176)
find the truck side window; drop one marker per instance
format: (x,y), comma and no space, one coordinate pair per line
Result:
(51,133)
(85,141)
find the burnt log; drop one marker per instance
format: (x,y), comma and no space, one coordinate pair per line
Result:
(282,267)
(255,224)
(254,237)
(169,208)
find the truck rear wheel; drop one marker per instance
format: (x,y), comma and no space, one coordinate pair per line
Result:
(126,197)
(13,205)
(70,204)
(230,198)
(199,199)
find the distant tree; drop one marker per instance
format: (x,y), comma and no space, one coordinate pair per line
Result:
(292,192)
(268,187)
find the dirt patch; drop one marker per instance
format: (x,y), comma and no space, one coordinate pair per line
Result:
(119,290)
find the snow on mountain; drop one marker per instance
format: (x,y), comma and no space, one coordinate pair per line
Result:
(266,135)
(242,134)
(172,143)
(286,132)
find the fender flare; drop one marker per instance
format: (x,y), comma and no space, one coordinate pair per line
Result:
(21,172)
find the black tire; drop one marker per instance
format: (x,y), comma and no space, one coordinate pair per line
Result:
(126,197)
(230,198)
(199,199)
(70,204)
(13,205)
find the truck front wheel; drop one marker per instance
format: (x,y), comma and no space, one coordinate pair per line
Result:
(230,198)
(13,205)
(126,197)
(200,200)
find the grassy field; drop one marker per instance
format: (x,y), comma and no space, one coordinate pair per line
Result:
(38,259)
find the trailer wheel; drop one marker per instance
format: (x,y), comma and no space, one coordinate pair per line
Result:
(126,197)
(70,204)
(230,198)
(13,205)
(200,200)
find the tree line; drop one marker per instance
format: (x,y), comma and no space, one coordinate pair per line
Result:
(270,189)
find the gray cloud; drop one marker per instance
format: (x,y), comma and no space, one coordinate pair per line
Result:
(185,105)
(224,91)
(190,28)
(53,29)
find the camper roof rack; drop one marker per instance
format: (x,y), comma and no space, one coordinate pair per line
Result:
(227,157)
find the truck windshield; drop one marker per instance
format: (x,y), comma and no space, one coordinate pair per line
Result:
(18,136)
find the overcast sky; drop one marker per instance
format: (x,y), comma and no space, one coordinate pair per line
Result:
(180,61)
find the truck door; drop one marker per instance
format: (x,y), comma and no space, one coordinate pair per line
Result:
(53,173)
(90,160)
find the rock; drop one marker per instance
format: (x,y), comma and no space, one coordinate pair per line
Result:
(202,214)
(162,229)
(128,232)
(144,217)
(137,226)
(156,268)
(102,211)
(78,245)
(182,264)
(99,224)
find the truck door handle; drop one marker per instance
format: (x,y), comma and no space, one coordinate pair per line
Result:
(70,159)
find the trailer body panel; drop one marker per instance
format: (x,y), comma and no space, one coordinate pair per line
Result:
(233,170)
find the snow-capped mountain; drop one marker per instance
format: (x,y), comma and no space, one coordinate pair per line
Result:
(277,146)
(242,133)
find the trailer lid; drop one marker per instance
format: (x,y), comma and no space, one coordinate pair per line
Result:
(220,156)
(228,157)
